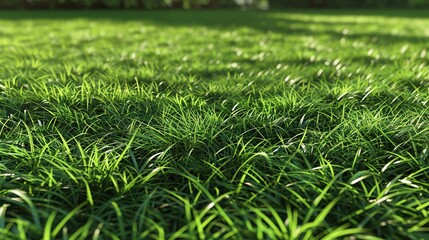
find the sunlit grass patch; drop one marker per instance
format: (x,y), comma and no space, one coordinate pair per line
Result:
(213,124)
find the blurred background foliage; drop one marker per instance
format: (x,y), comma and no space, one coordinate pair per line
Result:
(186,4)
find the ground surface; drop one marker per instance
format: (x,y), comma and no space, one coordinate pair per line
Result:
(135,125)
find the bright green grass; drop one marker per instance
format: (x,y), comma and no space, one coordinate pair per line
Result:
(215,124)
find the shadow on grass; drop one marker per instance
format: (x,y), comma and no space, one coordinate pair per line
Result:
(231,19)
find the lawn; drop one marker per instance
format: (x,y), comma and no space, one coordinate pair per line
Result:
(214,124)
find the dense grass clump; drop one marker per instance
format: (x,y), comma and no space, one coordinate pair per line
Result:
(214,124)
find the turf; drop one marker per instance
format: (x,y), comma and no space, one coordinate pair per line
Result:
(214,124)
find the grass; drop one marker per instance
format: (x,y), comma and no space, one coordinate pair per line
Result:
(214,124)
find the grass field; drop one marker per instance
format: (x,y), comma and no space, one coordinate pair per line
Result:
(214,124)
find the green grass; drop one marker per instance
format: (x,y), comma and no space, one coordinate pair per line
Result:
(214,124)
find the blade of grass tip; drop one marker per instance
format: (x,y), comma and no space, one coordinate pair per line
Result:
(48,226)
(64,141)
(88,192)
(343,231)
(94,156)
(278,219)
(152,174)
(115,183)
(292,222)
(242,179)
(262,154)
(208,220)
(388,186)
(359,176)
(110,235)
(21,229)
(210,197)
(65,144)
(357,155)
(97,232)
(30,137)
(202,214)
(260,228)
(28,201)
(322,215)
(154,226)
(198,224)
(125,151)
(268,221)
(423,206)
(328,186)
(156,156)
(81,152)
(322,194)
(301,146)
(418,226)
(82,232)
(319,219)
(63,222)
